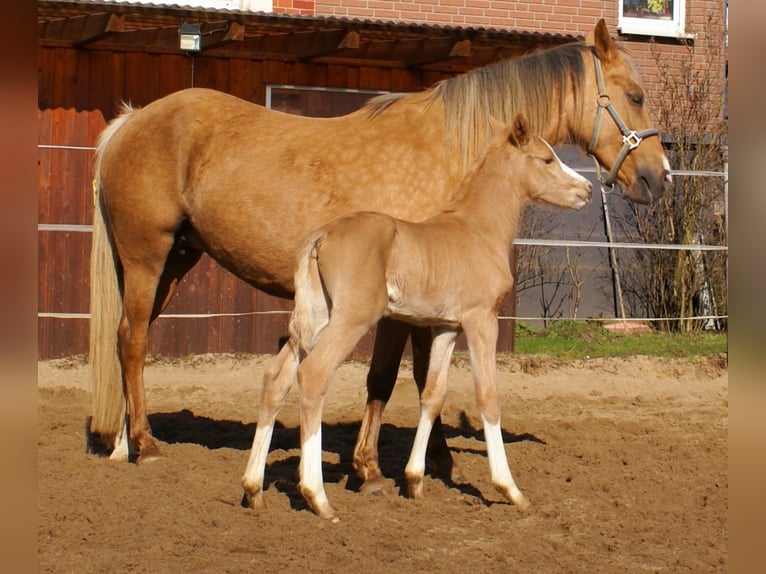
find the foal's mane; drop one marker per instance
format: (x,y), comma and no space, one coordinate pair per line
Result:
(536,84)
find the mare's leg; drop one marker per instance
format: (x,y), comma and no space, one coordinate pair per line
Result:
(437,450)
(431,403)
(390,339)
(277,381)
(334,345)
(179,261)
(140,280)
(481,334)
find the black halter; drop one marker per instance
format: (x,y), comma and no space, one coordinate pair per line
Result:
(630,139)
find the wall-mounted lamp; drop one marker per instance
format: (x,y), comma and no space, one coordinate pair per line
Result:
(190,37)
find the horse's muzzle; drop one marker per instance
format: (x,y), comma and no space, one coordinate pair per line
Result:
(649,186)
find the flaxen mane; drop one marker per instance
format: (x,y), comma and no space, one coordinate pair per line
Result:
(536,84)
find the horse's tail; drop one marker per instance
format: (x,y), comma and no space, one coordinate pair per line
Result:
(108,401)
(312,312)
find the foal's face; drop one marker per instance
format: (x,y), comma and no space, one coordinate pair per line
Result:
(546,178)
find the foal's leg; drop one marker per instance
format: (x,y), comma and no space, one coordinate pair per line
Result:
(314,374)
(481,334)
(431,403)
(390,339)
(277,381)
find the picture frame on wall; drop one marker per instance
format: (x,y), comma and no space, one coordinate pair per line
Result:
(652,17)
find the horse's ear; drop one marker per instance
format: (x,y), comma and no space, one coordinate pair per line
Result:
(520,129)
(600,39)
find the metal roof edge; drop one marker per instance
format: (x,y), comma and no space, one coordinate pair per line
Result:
(276,17)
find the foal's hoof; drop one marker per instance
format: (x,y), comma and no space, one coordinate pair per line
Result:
(378,487)
(516,497)
(415,487)
(319,504)
(253,501)
(456,474)
(521,502)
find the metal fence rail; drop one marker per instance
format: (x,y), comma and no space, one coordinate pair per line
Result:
(75,228)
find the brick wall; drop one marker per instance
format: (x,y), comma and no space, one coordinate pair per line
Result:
(574,17)
(564,16)
(296,7)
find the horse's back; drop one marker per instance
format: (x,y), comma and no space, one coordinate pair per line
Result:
(253,182)
(353,253)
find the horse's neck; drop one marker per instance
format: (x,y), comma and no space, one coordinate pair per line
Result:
(490,204)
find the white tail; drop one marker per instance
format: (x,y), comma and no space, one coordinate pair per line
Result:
(312,313)
(108,400)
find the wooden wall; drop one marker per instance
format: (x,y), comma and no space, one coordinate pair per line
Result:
(79,91)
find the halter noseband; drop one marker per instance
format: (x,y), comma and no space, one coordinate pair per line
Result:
(630,139)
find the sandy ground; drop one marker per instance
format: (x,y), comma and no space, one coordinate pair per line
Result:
(624,461)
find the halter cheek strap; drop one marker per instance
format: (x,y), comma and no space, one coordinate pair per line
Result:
(630,138)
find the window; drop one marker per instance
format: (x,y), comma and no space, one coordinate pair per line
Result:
(652,17)
(316,102)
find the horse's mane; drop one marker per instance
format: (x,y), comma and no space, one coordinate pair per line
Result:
(537,84)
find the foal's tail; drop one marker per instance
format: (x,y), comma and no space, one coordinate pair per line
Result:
(312,312)
(108,401)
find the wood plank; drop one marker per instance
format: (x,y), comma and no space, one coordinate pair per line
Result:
(62,337)
(211,73)
(142,78)
(241,79)
(46,63)
(175,73)
(108,92)
(65,78)
(44,168)
(342,76)
(406,80)
(306,74)
(373,78)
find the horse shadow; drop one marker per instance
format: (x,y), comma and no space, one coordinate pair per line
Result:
(395,443)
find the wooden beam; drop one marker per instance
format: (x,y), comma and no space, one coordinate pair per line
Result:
(79,30)
(431,50)
(100,25)
(319,43)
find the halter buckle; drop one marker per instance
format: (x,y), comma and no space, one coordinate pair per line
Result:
(632,139)
(603,100)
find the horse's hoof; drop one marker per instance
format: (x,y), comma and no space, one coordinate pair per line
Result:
(148,451)
(325,510)
(517,498)
(319,504)
(145,458)
(457,476)
(520,501)
(253,500)
(415,488)
(379,487)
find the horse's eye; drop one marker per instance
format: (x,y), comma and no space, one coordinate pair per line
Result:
(548,160)
(637,99)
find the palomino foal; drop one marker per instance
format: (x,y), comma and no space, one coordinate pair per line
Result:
(449,272)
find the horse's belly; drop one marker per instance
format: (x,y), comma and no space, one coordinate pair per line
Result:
(421,311)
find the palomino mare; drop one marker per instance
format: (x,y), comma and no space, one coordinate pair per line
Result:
(449,272)
(202,171)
